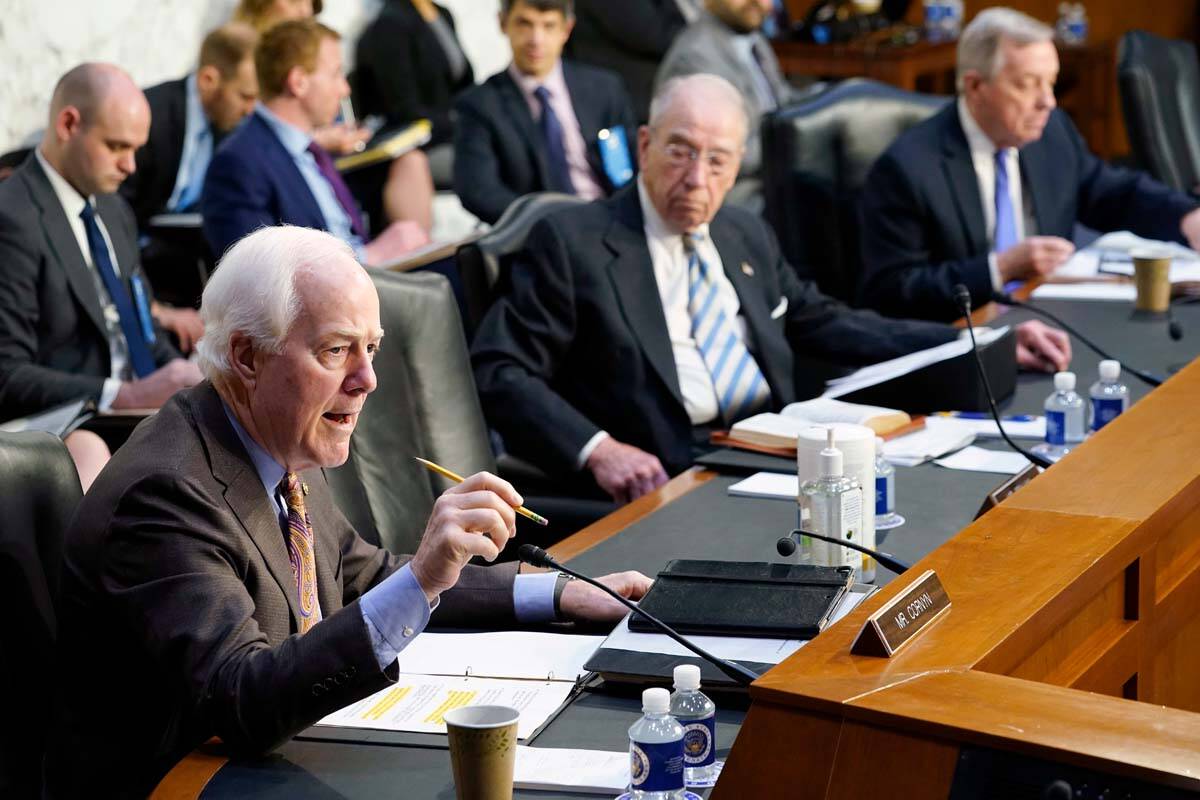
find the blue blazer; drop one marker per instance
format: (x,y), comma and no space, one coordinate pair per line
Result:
(251,182)
(922,223)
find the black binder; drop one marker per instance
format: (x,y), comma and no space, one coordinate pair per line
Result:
(738,598)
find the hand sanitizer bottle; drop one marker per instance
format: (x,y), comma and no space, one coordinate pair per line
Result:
(656,750)
(886,517)
(1110,397)
(834,503)
(697,714)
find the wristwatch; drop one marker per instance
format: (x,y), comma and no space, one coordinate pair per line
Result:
(559,585)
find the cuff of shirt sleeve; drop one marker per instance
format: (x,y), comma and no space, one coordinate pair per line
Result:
(994,271)
(533,597)
(395,611)
(586,452)
(108,394)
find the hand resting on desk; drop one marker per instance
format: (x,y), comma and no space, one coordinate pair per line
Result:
(583,602)
(624,471)
(1042,348)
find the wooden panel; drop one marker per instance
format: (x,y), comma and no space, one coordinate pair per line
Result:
(1178,553)
(1174,666)
(764,768)
(918,768)
(187,779)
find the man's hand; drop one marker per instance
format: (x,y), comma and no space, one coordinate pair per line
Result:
(342,139)
(401,237)
(157,387)
(1042,348)
(1190,227)
(1035,256)
(474,518)
(580,601)
(624,471)
(183,322)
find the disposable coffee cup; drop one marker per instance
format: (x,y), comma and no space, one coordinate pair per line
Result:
(483,751)
(1152,275)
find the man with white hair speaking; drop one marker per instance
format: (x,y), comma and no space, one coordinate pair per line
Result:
(210,586)
(988,191)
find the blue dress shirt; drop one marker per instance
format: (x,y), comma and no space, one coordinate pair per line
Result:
(197,152)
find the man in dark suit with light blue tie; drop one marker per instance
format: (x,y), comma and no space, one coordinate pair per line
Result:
(988,191)
(543,124)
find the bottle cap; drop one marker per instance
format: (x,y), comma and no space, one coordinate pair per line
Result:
(656,701)
(1110,370)
(687,676)
(1064,381)
(831,457)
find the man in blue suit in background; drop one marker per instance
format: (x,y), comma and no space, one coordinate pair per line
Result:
(271,172)
(988,191)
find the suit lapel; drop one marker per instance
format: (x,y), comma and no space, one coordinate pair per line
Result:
(326,547)
(1039,175)
(61,241)
(963,184)
(291,181)
(123,247)
(632,274)
(517,110)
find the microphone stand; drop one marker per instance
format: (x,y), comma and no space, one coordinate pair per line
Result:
(787,545)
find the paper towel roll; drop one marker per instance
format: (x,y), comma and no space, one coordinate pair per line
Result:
(857,443)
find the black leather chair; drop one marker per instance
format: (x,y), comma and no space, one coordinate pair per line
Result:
(39,490)
(481,262)
(1159,84)
(816,156)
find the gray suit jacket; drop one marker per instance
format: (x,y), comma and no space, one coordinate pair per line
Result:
(708,45)
(178,602)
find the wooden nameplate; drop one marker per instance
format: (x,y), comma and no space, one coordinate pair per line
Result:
(903,617)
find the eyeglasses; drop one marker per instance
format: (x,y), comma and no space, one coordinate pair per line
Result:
(719,162)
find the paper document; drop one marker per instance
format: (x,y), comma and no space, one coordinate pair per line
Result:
(986,428)
(938,437)
(767,485)
(887,370)
(584,771)
(1100,291)
(503,654)
(417,703)
(1125,242)
(976,459)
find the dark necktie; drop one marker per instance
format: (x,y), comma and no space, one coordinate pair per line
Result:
(139,351)
(556,150)
(340,190)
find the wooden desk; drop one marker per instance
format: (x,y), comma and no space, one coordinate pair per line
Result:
(901,66)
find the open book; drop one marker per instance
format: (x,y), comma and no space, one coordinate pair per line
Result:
(782,429)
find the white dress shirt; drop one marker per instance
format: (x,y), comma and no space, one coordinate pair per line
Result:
(118,349)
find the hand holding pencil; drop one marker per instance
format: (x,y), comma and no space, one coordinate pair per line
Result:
(445,473)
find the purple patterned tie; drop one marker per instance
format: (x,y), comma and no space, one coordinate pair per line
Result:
(340,190)
(300,552)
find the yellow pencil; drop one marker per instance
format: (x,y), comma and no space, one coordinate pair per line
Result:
(445,473)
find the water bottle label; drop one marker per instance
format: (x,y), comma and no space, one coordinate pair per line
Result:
(1105,410)
(698,737)
(656,767)
(1056,427)
(885,495)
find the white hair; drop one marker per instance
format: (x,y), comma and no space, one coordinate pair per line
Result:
(703,83)
(253,291)
(979,45)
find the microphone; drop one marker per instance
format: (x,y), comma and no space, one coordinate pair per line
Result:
(787,545)
(1175,331)
(963,297)
(537,557)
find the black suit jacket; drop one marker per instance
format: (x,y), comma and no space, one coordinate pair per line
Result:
(149,188)
(401,71)
(498,151)
(923,228)
(178,596)
(630,37)
(579,341)
(53,343)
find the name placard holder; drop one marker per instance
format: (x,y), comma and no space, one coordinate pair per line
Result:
(903,617)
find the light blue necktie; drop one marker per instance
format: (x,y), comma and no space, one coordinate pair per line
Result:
(739,383)
(198,168)
(1006,223)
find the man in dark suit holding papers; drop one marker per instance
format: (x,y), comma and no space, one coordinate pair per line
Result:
(635,324)
(545,123)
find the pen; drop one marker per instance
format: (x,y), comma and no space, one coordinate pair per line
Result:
(982,415)
(445,473)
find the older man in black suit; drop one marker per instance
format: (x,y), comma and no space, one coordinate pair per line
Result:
(634,325)
(988,191)
(545,123)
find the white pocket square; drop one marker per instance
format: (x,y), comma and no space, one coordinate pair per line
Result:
(780,309)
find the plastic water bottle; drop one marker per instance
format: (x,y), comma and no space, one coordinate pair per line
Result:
(1110,397)
(935,12)
(952,18)
(697,715)
(1065,413)
(656,750)
(886,517)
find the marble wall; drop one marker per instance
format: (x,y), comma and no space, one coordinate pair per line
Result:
(158,39)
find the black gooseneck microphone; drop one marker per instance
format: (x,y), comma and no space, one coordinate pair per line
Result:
(537,557)
(787,545)
(963,296)
(1173,328)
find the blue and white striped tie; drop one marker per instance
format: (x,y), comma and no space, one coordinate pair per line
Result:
(741,388)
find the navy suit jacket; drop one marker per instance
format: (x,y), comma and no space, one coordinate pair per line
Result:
(498,151)
(578,342)
(922,223)
(252,182)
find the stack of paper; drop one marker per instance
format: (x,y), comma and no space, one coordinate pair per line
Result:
(582,771)
(976,459)
(940,436)
(1024,427)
